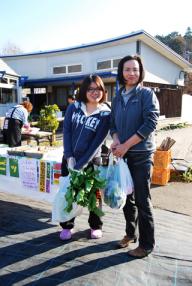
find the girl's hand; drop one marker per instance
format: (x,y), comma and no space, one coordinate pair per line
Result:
(71,163)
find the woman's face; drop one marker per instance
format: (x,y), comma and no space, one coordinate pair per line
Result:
(94,93)
(131,72)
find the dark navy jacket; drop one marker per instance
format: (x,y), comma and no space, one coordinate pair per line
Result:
(84,134)
(138,116)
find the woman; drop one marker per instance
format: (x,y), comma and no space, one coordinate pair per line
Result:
(134,117)
(16,118)
(86,126)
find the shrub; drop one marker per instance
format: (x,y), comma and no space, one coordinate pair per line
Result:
(48,118)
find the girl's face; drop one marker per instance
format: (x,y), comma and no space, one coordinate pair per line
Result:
(94,93)
(131,72)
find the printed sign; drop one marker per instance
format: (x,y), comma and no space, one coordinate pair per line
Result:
(48,178)
(42,183)
(3,166)
(13,167)
(28,172)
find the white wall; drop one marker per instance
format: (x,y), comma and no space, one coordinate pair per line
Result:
(33,67)
(5,107)
(186,113)
(159,68)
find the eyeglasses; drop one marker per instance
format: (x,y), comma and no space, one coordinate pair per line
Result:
(131,70)
(92,90)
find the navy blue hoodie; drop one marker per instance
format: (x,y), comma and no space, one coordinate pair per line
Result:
(84,134)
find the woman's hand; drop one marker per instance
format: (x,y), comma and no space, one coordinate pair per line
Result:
(115,143)
(120,150)
(27,127)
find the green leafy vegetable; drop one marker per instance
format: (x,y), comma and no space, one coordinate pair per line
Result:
(82,189)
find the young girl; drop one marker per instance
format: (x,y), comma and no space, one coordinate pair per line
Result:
(86,126)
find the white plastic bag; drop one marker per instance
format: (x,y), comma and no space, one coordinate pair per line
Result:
(126,180)
(119,184)
(60,203)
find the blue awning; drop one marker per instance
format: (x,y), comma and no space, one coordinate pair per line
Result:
(71,79)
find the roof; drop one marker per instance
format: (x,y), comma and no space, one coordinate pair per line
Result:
(5,68)
(133,36)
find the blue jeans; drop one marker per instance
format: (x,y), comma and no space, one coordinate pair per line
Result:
(138,210)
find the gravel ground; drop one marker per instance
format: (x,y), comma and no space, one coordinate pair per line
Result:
(176,196)
(182,149)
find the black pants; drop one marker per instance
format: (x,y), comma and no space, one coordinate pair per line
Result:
(138,210)
(12,135)
(94,221)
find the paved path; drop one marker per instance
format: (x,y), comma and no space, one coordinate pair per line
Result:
(32,254)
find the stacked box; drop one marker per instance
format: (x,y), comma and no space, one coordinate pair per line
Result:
(161,170)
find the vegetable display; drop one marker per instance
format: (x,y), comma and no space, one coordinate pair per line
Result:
(82,189)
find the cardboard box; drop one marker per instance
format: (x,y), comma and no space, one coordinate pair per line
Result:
(160,176)
(162,159)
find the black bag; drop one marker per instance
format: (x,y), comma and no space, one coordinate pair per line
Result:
(105,152)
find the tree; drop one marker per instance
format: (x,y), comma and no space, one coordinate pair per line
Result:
(175,41)
(48,118)
(11,49)
(188,44)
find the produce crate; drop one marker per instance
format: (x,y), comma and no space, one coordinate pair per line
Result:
(160,176)
(162,159)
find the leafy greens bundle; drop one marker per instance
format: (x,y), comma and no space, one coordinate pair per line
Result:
(82,189)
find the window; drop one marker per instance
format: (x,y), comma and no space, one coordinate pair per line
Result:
(138,47)
(58,70)
(108,64)
(116,62)
(67,69)
(12,81)
(8,95)
(39,90)
(104,65)
(4,80)
(74,68)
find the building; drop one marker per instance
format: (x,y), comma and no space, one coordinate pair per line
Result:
(10,92)
(50,76)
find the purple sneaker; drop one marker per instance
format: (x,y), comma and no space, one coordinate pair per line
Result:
(96,233)
(65,234)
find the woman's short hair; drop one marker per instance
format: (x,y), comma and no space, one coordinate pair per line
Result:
(82,95)
(28,105)
(120,68)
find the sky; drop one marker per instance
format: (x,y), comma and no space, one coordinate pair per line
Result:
(41,25)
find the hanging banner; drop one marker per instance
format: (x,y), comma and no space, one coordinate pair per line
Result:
(56,172)
(45,177)
(14,167)
(3,166)
(48,178)
(42,176)
(28,172)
